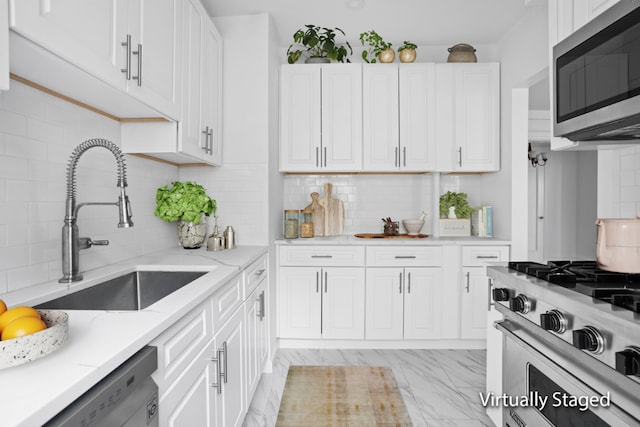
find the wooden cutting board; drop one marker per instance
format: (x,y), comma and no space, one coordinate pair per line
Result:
(384,236)
(333,213)
(318,214)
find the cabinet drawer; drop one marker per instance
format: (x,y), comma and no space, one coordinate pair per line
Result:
(226,301)
(411,256)
(253,275)
(346,256)
(178,346)
(479,255)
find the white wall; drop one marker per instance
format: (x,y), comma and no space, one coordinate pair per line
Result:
(619,183)
(37,135)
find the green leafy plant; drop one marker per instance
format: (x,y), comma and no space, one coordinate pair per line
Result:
(458,200)
(407,45)
(183,201)
(376,45)
(315,41)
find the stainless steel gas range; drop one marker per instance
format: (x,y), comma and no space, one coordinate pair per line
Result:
(571,349)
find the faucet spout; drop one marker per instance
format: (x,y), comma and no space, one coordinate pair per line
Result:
(71,242)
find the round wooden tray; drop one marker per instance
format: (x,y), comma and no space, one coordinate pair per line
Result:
(384,236)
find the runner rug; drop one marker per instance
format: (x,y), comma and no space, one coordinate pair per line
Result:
(342,396)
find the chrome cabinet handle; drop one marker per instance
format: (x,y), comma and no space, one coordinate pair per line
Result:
(460,156)
(206,139)
(127,69)
(321,256)
(224,352)
(317,282)
(317,156)
(408,283)
(487,257)
(217,385)
(325,282)
(261,306)
(396,160)
(400,280)
(468,278)
(325,157)
(489,287)
(139,76)
(210,141)
(404,156)
(405,257)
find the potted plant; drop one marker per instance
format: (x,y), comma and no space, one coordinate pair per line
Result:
(187,203)
(455,214)
(319,45)
(407,52)
(378,48)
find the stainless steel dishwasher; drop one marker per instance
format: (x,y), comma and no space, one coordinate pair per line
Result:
(127,397)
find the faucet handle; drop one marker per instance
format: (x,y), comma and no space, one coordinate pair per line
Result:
(86,242)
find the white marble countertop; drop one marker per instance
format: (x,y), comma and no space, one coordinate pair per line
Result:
(99,341)
(412,241)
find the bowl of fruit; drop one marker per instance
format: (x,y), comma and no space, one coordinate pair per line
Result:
(28,334)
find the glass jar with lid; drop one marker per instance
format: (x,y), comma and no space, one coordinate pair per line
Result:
(291,222)
(306,228)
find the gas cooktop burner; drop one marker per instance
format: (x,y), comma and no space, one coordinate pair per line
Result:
(619,289)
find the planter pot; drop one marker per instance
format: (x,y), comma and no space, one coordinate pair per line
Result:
(462,53)
(190,235)
(317,60)
(387,56)
(407,55)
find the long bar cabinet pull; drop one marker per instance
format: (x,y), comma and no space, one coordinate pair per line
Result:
(139,76)
(460,156)
(468,279)
(127,45)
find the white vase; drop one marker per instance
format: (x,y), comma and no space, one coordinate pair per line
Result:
(190,235)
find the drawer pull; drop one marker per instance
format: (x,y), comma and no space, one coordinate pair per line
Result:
(487,257)
(259,272)
(405,257)
(321,256)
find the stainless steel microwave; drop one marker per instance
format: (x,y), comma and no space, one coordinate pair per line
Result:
(596,78)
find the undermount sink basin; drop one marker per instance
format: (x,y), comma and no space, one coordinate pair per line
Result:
(131,291)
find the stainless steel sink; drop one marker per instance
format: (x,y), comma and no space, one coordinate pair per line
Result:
(131,291)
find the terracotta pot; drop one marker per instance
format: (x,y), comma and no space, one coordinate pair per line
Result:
(387,56)
(407,55)
(462,52)
(618,245)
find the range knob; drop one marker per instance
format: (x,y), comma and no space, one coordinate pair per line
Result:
(520,304)
(628,361)
(553,321)
(588,338)
(501,294)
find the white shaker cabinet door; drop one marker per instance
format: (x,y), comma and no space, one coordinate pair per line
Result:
(384,303)
(474,303)
(211,113)
(380,118)
(417,149)
(343,303)
(422,303)
(300,123)
(89,34)
(300,303)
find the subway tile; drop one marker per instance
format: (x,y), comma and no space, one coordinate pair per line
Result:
(21,278)
(12,123)
(11,167)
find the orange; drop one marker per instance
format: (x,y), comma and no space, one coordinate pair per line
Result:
(16,312)
(3,307)
(22,326)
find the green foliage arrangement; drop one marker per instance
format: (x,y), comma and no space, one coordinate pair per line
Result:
(183,201)
(407,45)
(318,42)
(376,45)
(459,200)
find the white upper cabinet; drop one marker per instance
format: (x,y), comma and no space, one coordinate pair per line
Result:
(132,45)
(399,117)
(468,117)
(4,45)
(321,118)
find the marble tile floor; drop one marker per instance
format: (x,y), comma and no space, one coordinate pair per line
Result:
(440,387)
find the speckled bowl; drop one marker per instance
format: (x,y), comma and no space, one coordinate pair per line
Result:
(31,347)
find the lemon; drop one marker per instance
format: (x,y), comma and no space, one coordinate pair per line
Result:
(3,307)
(16,312)
(22,326)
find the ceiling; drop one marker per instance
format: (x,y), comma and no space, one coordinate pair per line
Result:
(423,22)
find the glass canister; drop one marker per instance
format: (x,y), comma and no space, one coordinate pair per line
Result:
(291,221)
(306,228)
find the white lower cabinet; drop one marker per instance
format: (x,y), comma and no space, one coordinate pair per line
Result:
(403,303)
(321,302)
(257,336)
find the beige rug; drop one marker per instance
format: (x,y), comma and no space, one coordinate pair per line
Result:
(342,396)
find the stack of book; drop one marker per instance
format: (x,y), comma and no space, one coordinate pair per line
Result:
(482,222)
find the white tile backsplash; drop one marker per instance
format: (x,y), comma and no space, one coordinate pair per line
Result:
(619,182)
(38,132)
(366,198)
